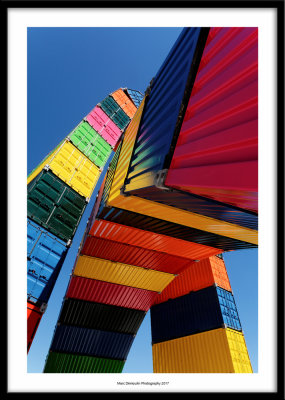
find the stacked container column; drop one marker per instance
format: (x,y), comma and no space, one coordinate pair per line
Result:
(195,324)
(59,189)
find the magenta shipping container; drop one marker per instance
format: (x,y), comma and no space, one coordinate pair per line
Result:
(216,154)
(104,125)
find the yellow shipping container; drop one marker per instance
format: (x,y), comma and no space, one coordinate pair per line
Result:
(71,166)
(161,211)
(217,351)
(122,274)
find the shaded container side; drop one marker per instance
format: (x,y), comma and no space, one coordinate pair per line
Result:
(46,254)
(152,241)
(71,363)
(34,316)
(163,109)
(124,102)
(91,144)
(207,352)
(161,211)
(115,112)
(54,205)
(133,255)
(110,293)
(122,274)
(222,120)
(102,124)
(91,342)
(200,311)
(196,277)
(100,316)
(135,95)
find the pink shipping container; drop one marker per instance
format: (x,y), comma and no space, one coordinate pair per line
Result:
(216,155)
(110,293)
(104,126)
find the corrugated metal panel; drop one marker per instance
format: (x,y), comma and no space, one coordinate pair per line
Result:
(90,143)
(149,240)
(122,274)
(110,293)
(163,108)
(46,254)
(104,126)
(204,310)
(91,342)
(34,316)
(71,363)
(135,95)
(221,119)
(54,205)
(115,112)
(238,350)
(133,255)
(99,316)
(196,277)
(124,102)
(206,352)
(161,211)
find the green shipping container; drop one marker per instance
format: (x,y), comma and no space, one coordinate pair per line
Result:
(55,205)
(71,363)
(91,144)
(115,112)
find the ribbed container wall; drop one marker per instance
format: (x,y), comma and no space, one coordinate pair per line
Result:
(221,119)
(34,316)
(59,189)
(197,321)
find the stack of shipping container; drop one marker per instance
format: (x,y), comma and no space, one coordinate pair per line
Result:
(59,189)
(150,227)
(195,323)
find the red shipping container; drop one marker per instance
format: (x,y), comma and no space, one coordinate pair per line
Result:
(216,155)
(152,241)
(196,277)
(110,293)
(133,255)
(34,316)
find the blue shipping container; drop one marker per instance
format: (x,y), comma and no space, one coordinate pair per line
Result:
(200,311)
(45,256)
(91,342)
(136,96)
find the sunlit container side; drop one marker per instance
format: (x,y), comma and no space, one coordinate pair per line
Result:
(124,102)
(135,95)
(34,316)
(200,311)
(216,155)
(74,363)
(102,124)
(91,342)
(163,212)
(121,274)
(110,293)
(196,277)
(115,112)
(45,256)
(128,218)
(91,144)
(54,205)
(133,255)
(207,352)
(99,316)
(152,241)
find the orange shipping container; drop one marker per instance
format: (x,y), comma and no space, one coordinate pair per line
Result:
(197,276)
(124,102)
(151,241)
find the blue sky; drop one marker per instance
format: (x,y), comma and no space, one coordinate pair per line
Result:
(70,70)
